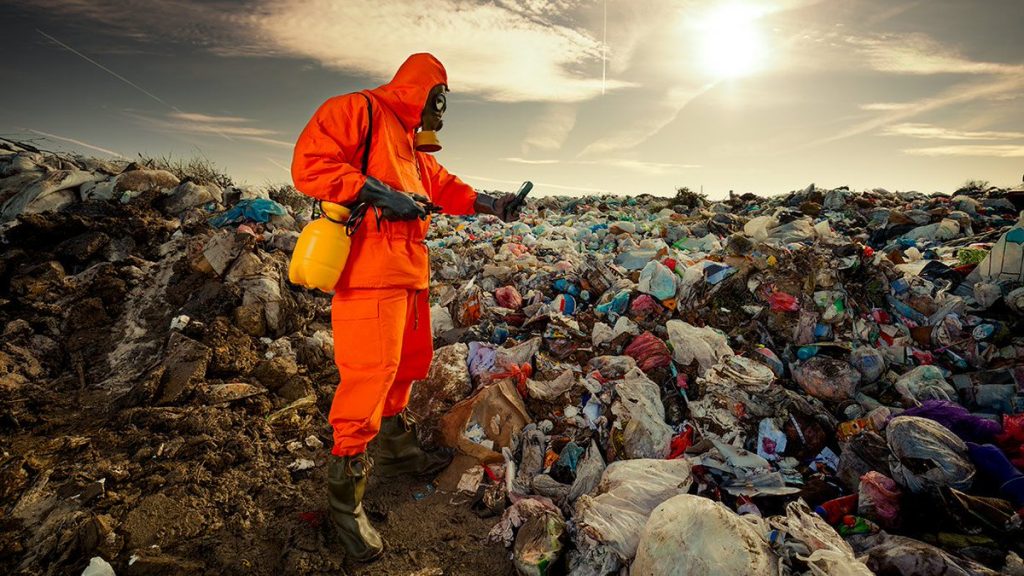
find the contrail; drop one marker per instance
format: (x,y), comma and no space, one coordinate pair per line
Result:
(278,164)
(125,80)
(604,50)
(111,72)
(78,142)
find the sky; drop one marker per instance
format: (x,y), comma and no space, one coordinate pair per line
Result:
(580,97)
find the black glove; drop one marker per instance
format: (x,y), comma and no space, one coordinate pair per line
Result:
(506,206)
(393,204)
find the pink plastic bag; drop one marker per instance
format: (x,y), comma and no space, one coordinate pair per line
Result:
(508,297)
(879,499)
(649,351)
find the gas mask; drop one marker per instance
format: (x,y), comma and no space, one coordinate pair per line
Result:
(430,121)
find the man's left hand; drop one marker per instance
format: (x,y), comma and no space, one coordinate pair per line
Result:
(506,206)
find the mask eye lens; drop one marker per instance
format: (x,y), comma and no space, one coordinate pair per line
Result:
(440,102)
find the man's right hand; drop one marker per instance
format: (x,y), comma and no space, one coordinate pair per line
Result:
(393,204)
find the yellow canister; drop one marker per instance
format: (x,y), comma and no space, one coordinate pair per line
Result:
(321,250)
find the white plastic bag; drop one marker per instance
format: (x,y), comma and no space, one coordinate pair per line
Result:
(1006,259)
(608,524)
(645,435)
(693,536)
(926,454)
(689,343)
(829,555)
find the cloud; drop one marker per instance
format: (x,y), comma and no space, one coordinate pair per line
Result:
(988,150)
(656,168)
(886,106)
(228,127)
(517,160)
(957,94)
(920,54)
(648,121)
(550,129)
(500,52)
(196,117)
(539,185)
(930,131)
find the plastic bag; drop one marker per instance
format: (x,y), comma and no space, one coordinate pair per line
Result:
(967,426)
(609,523)
(254,209)
(446,384)
(909,557)
(925,454)
(757,228)
(828,554)
(497,410)
(1005,262)
(645,434)
(508,297)
(733,385)
(588,472)
(869,362)
(782,302)
(924,383)
(827,378)
(878,499)
(649,351)
(705,346)
(658,281)
(864,453)
(538,544)
(694,536)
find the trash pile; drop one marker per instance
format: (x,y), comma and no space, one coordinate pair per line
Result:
(824,382)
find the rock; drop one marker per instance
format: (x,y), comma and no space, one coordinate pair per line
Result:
(185,366)
(276,372)
(37,280)
(221,393)
(249,319)
(295,388)
(83,247)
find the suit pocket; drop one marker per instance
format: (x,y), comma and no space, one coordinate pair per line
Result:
(364,309)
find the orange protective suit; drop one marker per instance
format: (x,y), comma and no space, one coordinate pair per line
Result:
(380,312)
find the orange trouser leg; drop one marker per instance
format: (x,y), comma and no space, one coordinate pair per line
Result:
(368,332)
(417,352)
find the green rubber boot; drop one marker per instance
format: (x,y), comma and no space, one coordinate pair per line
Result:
(346,483)
(400,452)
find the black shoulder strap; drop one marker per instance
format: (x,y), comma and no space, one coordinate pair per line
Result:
(369,134)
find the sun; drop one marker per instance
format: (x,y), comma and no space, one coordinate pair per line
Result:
(730,41)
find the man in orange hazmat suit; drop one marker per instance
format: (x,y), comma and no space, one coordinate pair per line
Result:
(366,149)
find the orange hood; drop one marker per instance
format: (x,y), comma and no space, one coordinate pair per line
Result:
(407,92)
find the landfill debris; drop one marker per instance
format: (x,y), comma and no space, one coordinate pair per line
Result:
(824,376)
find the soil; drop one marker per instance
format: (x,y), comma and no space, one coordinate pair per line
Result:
(144,410)
(207,490)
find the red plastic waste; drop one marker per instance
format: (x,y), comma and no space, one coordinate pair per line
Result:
(782,302)
(508,297)
(649,351)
